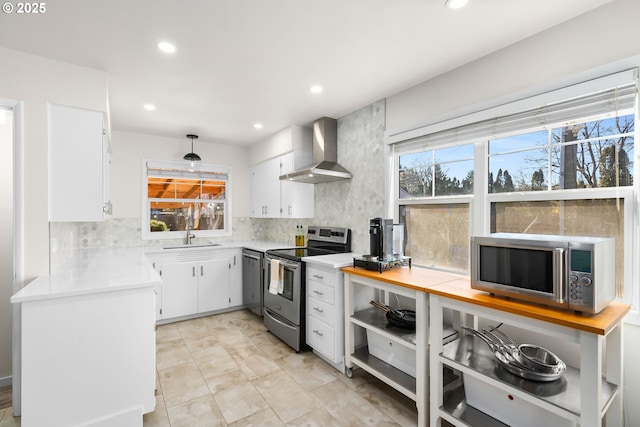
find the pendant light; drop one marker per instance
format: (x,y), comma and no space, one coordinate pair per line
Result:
(192,157)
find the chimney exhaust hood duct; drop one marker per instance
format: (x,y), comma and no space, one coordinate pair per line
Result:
(325,167)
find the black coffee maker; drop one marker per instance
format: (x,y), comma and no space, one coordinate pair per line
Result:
(381,238)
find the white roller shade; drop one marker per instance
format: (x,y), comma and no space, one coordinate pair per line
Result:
(615,94)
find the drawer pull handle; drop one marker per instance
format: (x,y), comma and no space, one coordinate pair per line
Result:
(317,332)
(317,276)
(318,292)
(319,310)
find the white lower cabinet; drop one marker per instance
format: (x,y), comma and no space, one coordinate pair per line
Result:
(209,281)
(213,284)
(325,313)
(179,289)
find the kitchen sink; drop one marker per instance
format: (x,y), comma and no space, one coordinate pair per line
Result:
(193,245)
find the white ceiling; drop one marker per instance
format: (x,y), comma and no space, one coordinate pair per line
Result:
(244,61)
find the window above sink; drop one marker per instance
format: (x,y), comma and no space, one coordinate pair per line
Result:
(176,200)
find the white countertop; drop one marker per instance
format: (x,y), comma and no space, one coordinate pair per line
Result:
(93,271)
(332,261)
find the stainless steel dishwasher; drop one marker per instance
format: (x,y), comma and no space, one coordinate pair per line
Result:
(252,280)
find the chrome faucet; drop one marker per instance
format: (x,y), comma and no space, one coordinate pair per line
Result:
(190,236)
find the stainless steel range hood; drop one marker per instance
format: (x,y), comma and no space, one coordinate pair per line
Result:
(325,167)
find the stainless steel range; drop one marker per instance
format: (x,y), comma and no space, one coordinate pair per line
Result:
(284,306)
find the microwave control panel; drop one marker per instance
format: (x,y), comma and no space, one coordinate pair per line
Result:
(580,277)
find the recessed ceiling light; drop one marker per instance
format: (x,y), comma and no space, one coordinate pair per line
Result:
(149,107)
(455,4)
(257,125)
(316,89)
(166,47)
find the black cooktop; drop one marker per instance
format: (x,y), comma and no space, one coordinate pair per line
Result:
(320,241)
(295,254)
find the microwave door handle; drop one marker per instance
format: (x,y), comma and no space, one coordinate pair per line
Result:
(559,276)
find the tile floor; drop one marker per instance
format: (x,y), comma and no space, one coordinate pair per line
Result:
(227,370)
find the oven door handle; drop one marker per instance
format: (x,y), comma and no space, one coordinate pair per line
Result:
(292,265)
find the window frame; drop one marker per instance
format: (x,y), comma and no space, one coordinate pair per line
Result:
(184,172)
(481,201)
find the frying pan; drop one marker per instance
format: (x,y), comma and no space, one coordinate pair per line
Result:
(405,319)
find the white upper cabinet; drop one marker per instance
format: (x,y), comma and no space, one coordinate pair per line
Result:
(296,198)
(78,165)
(270,197)
(265,189)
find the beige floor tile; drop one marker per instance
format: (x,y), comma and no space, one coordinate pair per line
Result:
(215,361)
(159,417)
(182,383)
(172,353)
(392,403)
(253,362)
(199,412)
(349,407)
(7,419)
(263,418)
(167,332)
(317,418)
(239,401)
(308,370)
(228,380)
(193,329)
(285,396)
(227,370)
(272,346)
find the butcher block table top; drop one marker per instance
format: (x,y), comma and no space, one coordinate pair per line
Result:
(458,287)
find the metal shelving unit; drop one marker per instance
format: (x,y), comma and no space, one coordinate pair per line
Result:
(362,318)
(583,396)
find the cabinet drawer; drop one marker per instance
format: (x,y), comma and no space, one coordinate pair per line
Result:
(321,337)
(322,276)
(321,310)
(320,291)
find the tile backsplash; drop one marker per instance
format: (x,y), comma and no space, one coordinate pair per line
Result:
(347,203)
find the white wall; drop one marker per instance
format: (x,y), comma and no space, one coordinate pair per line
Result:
(295,138)
(600,42)
(128,149)
(36,81)
(6,233)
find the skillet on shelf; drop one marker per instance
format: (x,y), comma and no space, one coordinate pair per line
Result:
(405,319)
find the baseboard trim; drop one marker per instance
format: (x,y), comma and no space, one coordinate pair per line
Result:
(5,381)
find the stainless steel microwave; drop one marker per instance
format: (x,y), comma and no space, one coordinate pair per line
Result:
(571,272)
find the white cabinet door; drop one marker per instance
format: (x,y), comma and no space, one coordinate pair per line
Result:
(213,284)
(235,279)
(265,189)
(179,289)
(78,165)
(296,198)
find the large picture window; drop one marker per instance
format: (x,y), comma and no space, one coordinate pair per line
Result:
(177,200)
(559,163)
